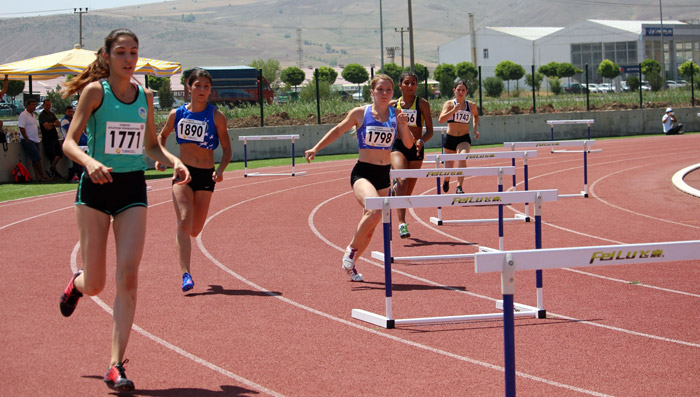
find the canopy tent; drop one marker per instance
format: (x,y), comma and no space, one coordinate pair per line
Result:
(74,61)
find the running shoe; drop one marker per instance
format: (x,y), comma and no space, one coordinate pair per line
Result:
(115,378)
(187,283)
(70,297)
(349,264)
(459,190)
(446,186)
(403,231)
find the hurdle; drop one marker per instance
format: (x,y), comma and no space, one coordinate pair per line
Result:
(552,144)
(484,156)
(588,122)
(436,173)
(386,204)
(508,262)
(246,138)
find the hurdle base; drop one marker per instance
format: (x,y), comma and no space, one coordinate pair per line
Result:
(440,222)
(373,318)
(524,310)
(582,194)
(385,322)
(281,174)
(523,217)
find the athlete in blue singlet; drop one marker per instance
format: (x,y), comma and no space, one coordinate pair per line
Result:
(112,190)
(378,126)
(458,113)
(199,129)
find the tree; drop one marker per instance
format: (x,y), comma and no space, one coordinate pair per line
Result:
(493,86)
(154,83)
(58,102)
(292,76)
(308,92)
(609,69)
(355,73)
(14,88)
(166,95)
(568,70)
(270,70)
(421,71)
(550,70)
(468,73)
(554,85)
(652,72)
(328,74)
(509,70)
(394,71)
(537,82)
(633,82)
(689,68)
(445,74)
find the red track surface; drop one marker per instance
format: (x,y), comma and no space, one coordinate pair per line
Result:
(270,312)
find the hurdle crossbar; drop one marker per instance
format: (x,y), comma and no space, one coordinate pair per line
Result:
(552,144)
(246,138)
(508,262)
(386,204)
(588,122)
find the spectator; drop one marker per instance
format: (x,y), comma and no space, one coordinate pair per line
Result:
(74,171)
(29,139)
(5,86)
(48,123)
(670,122)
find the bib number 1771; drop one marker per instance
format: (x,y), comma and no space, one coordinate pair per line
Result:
(124,138)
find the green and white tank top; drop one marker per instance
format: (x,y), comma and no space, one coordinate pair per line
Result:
(116,131)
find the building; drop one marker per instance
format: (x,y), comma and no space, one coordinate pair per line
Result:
(627,43)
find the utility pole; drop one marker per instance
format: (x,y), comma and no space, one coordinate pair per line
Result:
(80,12)
(663,56)
(381,38)
(410,35)
(300,51)
(402,31)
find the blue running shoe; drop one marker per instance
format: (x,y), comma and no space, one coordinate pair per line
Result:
(187,283)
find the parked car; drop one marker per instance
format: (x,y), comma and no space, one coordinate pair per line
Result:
(574,88)
(605,87)
(177,103)
(357,96)
(592,88)
(646,86)
(9,109)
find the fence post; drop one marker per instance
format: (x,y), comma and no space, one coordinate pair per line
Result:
(640,86)
(534,104)
(260,97)
(588,101)
(318,97)
(481,109)
(692,84)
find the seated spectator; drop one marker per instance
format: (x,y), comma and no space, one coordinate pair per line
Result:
(671,125)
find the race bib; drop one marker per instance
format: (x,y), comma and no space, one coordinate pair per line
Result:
(191,130)
(379,136)
(412,116)
(124,138)
(462,116)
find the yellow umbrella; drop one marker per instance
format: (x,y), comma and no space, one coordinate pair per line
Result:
(74,61)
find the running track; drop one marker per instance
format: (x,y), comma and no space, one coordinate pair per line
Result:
(270,312)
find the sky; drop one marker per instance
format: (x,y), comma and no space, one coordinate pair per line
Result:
(47,7)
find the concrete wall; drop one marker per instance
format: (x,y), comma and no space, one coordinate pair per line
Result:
(493,130)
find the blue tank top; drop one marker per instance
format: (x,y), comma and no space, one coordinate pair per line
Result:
(116,131)
(374,134)
(198,128)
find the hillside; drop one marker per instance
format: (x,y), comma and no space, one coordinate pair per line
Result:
(333,32)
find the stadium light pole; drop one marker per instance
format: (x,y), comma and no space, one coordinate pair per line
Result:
(381,38)
(663,58)
(410,35)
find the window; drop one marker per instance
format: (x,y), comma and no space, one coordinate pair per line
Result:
(486,53)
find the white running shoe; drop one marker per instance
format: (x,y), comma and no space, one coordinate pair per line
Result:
(349,264)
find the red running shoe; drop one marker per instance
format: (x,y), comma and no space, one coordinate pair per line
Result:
(115,378)
(70,296)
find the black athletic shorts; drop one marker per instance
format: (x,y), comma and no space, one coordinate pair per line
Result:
(409,153)
(127,189)
(201,178)
(377,175)
(452,141)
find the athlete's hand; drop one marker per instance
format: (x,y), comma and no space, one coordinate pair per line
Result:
(181,175)
(217,176)
(476,134)
(160,166)
(402,118)
(419,145)
(98,172)
(309,155)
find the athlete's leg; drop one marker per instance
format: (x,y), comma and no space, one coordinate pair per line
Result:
(202,199)
(129,234)
(183,201)
(93,227)
(370,218)
(462,147)
(399,162)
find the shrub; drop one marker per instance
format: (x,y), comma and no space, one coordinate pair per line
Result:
(493,86)
(554,85)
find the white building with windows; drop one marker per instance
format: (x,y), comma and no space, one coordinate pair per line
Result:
(627,43)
